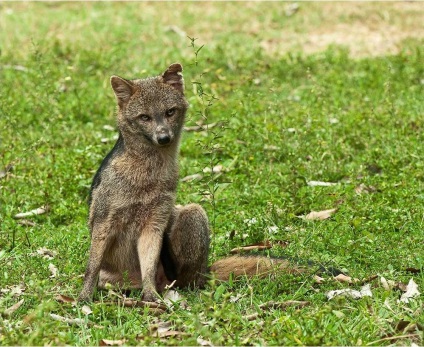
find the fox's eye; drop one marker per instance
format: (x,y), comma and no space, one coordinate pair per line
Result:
(170,112)
(144,117)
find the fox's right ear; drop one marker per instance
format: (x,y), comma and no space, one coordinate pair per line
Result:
(123,89)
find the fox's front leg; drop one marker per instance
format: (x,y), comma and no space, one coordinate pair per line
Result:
(100,240)
(148,247)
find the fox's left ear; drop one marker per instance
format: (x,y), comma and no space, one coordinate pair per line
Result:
(174,77)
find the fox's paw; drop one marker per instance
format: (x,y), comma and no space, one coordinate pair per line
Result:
(84,297)
(150,296)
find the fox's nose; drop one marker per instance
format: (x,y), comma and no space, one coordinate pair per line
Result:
(164,139)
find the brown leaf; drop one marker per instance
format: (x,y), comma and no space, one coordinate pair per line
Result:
(389,338)
(172,333)
(318,279)
(366,280)
(154,307)
(37,211)
(363,189)
(402,286)
(320,215)
(284,304)
(26,223)
(65,299)
(345,279)
(105,342)
(53,270)
(9,311)
(251,317)
(408,327)
(413,270)
(163,329)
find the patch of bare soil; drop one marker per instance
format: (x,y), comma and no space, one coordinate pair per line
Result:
(364,29)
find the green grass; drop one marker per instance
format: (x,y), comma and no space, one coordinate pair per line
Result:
(286,119)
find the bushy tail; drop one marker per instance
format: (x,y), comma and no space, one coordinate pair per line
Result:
(253,266)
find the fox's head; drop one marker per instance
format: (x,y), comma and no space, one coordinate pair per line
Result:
(151,110)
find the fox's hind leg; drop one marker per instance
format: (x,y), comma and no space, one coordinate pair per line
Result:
(187,242)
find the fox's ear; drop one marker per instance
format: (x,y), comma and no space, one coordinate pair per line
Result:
(123,89)
(174,77)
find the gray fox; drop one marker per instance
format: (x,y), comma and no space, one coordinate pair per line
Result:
(139,238)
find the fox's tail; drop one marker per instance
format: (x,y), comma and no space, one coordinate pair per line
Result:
(262,266)
(252,266)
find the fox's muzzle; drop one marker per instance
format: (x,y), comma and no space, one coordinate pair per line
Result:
(163,139)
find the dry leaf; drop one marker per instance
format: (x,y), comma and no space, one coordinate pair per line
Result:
(177,30)
(67,320)
(37,211)
(291,9)
(250,221)
(105,139)
(200,127)
(355,294)
(365,280)
(86,310)
(7,169)
(389,284)
(402,286)
(271,148)
(172,333)
(320,184)
(411,292)
(172,297)
(53,270)
(45,253)
(318,279)
(14,291)
(408,327)
(65,299)
(203,342)
(108,127)
(26,223)
(9,311)
(154,307)
(236,298)
(363,189)
(321,215)
(345,279)
(105,342)
(163,329)
(251,317)
(284,304)
(215,169)
(190,178)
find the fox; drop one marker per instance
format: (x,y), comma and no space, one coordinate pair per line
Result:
(139,238)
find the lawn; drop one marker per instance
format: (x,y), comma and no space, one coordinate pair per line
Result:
(325,92)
